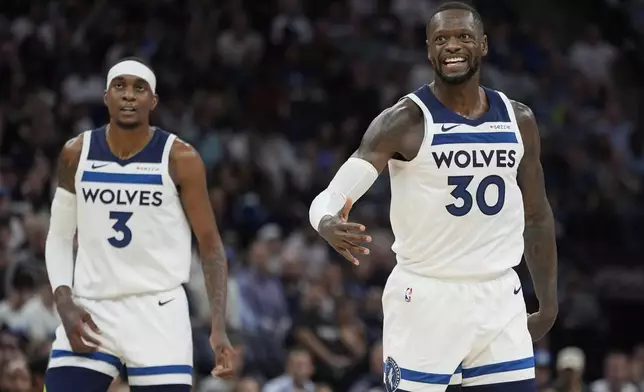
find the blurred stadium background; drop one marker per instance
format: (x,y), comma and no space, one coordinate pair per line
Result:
(275,95)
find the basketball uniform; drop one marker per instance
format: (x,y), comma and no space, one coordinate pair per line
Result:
(134,251)
(453,307)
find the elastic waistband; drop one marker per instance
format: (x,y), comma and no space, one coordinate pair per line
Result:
(456,279)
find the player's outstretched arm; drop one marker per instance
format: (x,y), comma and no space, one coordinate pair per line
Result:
(539,236)
(189,173)
(59,251)
(386,136)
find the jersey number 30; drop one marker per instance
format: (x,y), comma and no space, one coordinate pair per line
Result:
(460,192)
(124,234)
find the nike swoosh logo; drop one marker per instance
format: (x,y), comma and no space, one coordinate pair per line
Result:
(445,128)
(163,303)
(516,291)
(95,166)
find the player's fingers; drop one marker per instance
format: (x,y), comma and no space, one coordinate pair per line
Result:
(224,373)
(79,346)
(350,226)
(87,318)
(347,255)
(352,237)
(222,359)
(85,336)
(351,247)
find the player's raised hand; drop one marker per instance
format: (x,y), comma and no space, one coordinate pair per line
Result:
(224,355)
(76,322)
(344,236)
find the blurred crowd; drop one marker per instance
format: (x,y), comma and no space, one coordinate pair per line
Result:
(275,95)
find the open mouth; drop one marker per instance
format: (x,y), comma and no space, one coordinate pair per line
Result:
(455,63)
(128,109)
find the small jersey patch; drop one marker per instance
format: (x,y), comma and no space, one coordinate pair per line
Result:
(392,375)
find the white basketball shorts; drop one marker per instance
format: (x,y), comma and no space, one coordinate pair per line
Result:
(438,333)
(149,334)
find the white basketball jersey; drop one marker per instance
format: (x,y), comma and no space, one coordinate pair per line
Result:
(456,209)
(133,235)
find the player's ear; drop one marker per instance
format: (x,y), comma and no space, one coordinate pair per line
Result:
(155,102)
(429,55)
(105,97)
(484,46)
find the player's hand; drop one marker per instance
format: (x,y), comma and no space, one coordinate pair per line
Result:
(344,236)
(224,355)
(539,323)
(75,320)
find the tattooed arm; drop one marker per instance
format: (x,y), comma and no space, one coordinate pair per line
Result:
(59,252)
(539,235)
(59,245)
(397,132)
(189,174)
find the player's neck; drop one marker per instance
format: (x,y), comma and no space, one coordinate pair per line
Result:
(125,143)
(464,98)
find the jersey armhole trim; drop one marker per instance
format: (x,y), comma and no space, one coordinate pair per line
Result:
(87,140)
(165,161)
(513,116)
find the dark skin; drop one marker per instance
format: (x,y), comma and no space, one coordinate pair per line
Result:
(397,133)
(128,133)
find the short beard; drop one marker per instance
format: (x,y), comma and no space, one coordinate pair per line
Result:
(460,79)
(128,126)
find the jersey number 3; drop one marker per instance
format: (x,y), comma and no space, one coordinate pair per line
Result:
(124,236)
(460,192)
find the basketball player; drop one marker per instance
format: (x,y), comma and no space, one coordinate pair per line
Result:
(467,194)
(132,193)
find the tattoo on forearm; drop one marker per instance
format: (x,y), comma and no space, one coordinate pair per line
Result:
(541,252)
(215,271)
(539,235)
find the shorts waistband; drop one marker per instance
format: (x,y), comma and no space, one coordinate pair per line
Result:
(460,279)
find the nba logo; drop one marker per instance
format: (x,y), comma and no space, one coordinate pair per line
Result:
(408,294)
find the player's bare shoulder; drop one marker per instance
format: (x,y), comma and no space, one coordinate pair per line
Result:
(68,163)
(184,161)
(527,124)
(397,130)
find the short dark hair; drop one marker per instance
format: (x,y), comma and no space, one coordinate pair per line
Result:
(457,5)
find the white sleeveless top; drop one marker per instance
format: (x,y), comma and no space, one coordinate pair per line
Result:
(456,209)
(133,235)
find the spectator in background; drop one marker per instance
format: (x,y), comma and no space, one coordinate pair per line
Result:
(20,290)
(592,56)
(637,363)
(543,374)
(325,328)
(15,376)
(239,42)
(571,362)
(267,319)
(371,381)
(323,388)
(299,369)
(291,24)
(38,318)
(616,375)
(37,368)
(247,385)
